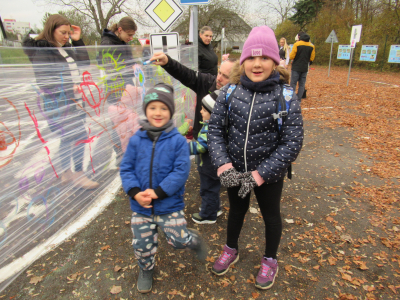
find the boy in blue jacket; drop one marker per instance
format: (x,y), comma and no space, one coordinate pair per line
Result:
(154,171)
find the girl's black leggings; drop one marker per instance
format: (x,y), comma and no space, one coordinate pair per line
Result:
(268,198)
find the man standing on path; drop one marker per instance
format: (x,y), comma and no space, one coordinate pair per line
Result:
(303,53)
(201,83)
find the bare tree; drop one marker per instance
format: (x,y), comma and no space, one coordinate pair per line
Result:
(281,10)
(101,12)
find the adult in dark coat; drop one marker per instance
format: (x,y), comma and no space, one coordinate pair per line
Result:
(208,60)
(119,35)
(55,64)
(201,83)
(117,62)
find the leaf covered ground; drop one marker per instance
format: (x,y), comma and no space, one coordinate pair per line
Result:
(341,220)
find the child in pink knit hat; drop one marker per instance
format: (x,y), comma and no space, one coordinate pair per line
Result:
(251,149)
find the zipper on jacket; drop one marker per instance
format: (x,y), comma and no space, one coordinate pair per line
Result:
(151,171)
(247,134)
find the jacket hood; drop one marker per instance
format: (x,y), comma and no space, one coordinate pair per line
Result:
(304,37)
(112,37)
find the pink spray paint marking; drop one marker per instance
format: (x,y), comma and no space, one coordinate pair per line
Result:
(89,141)
(32,115)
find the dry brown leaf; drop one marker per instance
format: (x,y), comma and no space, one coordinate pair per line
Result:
(116,289)
(117,268)
(36,279)
(255,295)
(105,247)
(332,261)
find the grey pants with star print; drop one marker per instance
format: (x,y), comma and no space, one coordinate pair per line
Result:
(145,235)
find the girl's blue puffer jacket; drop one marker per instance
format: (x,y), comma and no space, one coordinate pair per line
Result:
(254,142)
(170,170)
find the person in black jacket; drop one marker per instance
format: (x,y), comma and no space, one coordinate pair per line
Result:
(252,150)
(200,83)
(117,62)
(118,36)
(55,64)
(302,55)
(208,60)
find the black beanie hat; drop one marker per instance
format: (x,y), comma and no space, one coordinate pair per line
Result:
(160,92)
(208,101)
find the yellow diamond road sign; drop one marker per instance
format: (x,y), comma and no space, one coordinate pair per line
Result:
(164,12)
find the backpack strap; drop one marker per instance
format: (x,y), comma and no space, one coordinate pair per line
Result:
(228,100)
(282,110)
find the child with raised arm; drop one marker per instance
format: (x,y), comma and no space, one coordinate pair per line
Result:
(154,171)
(260,150)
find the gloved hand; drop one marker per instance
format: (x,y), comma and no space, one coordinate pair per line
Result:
(230,178)
(248,183)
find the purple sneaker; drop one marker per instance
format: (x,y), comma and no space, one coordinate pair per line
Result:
(267,274)
(225,260)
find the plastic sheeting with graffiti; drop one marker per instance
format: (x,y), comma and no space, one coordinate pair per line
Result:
(64,126)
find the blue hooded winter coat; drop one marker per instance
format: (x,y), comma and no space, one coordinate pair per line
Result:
(169,169)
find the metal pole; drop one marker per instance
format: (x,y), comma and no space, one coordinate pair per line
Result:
(222,43)
(351,59)
(383,57)
(196,36)
(330,58)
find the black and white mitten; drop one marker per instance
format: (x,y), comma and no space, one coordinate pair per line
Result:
(248,183)
(230,178)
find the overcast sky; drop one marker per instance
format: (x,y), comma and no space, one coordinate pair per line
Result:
(24,11)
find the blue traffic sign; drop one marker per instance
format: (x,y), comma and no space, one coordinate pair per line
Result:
(194,2)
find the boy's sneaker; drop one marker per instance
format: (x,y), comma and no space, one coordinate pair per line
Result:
(267,273)
(199,220)
(226,259)
(200,246)
(145,280)
(220,212)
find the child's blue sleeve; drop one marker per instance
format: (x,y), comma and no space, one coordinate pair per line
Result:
(200,146)
(127,167)
(177,178)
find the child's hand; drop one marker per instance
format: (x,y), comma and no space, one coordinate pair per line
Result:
(152,194)
(144,199)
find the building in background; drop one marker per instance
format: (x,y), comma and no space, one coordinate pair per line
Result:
(11,25)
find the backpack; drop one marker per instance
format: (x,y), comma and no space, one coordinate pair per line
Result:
(279,116)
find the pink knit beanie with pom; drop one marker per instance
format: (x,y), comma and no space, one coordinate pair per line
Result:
(261,42)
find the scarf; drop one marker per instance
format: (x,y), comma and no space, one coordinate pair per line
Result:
(155,132)
(267,85)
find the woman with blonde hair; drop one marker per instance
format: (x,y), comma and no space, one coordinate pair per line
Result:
(283,52)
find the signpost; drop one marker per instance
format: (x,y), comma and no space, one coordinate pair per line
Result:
(164,12)
(344,52)
(354,39)
(167,42)
(394,54)
(142,42)
(332,38)
(369,52)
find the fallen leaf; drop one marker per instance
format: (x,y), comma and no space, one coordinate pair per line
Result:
(290,221)
(36,279)
(116,289)
(105,247)
(253,210)
(117,268)
(255,295)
